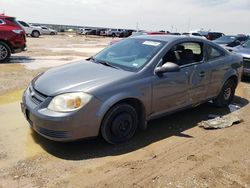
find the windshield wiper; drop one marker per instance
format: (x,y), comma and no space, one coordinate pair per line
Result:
(91,59)
(107,64)
(103,63)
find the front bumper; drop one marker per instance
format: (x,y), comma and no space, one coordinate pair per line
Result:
(60,126)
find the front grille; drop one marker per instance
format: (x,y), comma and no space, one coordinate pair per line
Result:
(246,63)
(52,133)
(36,96)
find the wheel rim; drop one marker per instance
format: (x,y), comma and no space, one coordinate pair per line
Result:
(3,52)
(36,34)
(227,93)
(122,125)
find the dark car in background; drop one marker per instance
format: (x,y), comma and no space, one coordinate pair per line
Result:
(128,84)
(214,35)
(126,33)
(231,40)
(12,37)
(91,32)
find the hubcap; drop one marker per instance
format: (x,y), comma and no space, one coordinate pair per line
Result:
(227,93)
(122,125)
(3,52)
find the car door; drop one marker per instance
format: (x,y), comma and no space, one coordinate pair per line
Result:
(170,91)
(174,90)
(200,78)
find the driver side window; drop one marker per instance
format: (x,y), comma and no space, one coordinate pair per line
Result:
(184,53)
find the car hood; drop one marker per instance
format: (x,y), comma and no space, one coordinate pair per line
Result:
(81,76)
(245,52)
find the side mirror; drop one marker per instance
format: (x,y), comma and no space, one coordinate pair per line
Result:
(167,67)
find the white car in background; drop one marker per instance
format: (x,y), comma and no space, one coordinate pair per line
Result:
(48,31)
(31,30)
(193,34)
(84,31)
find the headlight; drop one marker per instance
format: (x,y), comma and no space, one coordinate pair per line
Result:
(69,102)
(17,31)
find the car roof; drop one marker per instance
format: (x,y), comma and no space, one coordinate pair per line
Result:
(168,38)
(4,16)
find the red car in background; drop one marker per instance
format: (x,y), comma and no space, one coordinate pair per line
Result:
(12,37)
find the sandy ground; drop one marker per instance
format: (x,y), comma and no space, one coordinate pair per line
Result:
(173,152)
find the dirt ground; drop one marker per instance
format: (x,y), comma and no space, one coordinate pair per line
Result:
(172,152)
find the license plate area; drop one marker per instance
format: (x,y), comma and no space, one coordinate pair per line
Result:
(26,113)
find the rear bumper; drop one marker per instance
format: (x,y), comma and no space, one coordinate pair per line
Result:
(18,43)
(20,49)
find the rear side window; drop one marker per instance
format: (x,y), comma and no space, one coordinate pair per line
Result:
(214,53)
(13,20)
(23,24)
(2,22)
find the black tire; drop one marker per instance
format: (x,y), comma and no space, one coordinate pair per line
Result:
(226,95)
(52,33)
(4,52)
(35,34)
(119,124)
(113,35)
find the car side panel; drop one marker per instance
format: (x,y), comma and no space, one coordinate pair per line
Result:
(220,67)
(199,82)
(140,90)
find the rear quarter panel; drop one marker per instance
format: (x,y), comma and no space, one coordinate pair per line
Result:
(230,66)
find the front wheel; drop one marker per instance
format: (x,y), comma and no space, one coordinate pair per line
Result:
(226,95)
(119,124)
(4,52)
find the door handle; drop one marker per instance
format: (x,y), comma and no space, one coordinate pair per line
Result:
(202,74)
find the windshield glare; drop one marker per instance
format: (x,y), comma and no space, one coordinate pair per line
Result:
(130,54)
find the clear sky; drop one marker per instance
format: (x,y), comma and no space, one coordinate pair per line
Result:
(228,16)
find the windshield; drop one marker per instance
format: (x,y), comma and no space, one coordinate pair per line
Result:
(247,44)
(130,54)
(225,39)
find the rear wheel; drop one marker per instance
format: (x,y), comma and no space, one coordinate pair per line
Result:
(35,34)
(226,95)
(4,52)
(119,124)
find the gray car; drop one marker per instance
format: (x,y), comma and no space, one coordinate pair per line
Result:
(127,84)
(244,51)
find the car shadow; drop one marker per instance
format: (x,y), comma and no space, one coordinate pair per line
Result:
(245,79)
(172,125)
(20,59)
